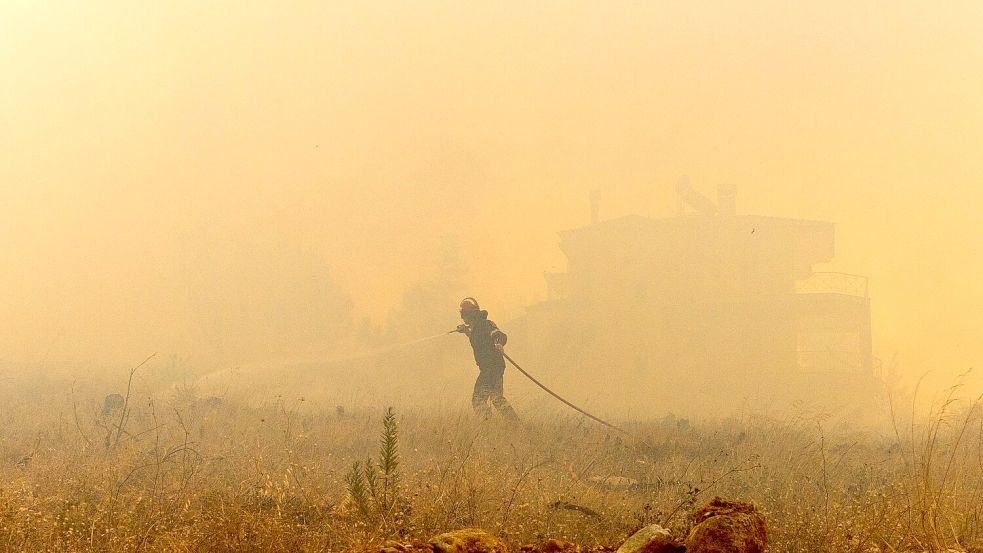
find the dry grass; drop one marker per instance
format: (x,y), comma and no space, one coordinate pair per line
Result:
(185,474)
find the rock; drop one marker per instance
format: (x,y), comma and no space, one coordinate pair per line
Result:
(112,403)
(724,526)
(652,539)
(468,540)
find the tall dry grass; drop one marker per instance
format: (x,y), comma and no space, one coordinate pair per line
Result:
(180,472)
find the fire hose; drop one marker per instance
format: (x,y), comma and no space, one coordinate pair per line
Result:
(554,394)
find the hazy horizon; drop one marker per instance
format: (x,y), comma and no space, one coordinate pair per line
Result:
(166,167)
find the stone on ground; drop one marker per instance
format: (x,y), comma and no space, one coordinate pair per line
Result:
(727,527)
(651,539)
(468,540)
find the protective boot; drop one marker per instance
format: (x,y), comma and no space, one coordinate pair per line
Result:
(504,408)
(479,401)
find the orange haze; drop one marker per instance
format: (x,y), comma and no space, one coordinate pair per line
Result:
(142,142)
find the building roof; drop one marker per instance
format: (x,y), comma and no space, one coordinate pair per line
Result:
(813,241)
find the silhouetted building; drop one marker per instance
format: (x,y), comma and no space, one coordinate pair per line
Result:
(706,302)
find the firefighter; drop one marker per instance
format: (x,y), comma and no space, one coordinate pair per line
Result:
(488,343)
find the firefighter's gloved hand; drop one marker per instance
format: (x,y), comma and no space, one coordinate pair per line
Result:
(462,328)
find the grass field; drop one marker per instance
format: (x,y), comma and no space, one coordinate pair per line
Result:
(174,471)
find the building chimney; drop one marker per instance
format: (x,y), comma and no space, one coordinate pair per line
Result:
(689,196)
(595,206)
(726,199)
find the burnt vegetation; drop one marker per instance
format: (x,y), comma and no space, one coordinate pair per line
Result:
(173,471)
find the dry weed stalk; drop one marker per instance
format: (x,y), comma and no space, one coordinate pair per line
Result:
(227,476)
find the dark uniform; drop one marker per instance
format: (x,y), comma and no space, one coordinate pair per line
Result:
(484,335)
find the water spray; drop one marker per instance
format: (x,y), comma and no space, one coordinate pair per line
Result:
(358,356)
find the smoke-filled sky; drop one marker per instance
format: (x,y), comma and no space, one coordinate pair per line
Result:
(143,144)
